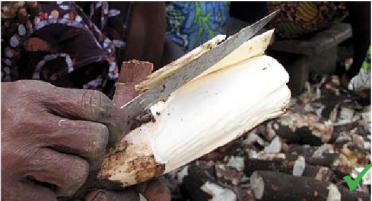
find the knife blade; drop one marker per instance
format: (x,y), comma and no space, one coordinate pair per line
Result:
(191,70)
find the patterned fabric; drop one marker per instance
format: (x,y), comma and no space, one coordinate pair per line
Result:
(190,24)
(58,43)
(300,18)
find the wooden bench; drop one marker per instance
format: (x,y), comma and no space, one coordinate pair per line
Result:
(316,53)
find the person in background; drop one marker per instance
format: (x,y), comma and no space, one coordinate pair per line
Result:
(78,45)
(55,135)
(301,19)
(361,83)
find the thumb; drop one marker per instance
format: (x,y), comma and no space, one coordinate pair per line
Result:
(155,190)
(109,195)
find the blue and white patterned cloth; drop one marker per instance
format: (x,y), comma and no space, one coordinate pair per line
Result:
(190,24)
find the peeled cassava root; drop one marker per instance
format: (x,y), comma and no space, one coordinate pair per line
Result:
(233,96)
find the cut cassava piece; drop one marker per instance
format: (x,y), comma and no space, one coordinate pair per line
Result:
(204,114)
(287,166)
(303,129)
(268,186)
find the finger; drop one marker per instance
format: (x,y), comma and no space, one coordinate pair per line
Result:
(80,104)
(27,190)
(83,138)
(106,195)
(88,105)
(65,172)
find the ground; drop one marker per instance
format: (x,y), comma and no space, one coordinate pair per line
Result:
(325,135)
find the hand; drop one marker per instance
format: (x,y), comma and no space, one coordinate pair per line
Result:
(51,138)
(110,195)
(154,190)
(132,73)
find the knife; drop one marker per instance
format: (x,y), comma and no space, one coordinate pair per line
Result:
(175,80)
(191,70)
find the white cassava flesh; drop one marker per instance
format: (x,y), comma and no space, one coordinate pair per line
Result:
(217,192)
(208,112)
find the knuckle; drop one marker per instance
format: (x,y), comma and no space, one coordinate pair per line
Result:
(32,85)
(97,145)
(98,142)
(96,102)
(31,90)
(102,136)
(93,97)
